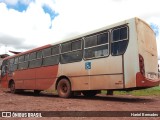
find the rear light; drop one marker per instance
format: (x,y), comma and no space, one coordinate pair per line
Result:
(141,65)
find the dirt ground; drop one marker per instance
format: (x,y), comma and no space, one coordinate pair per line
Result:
(27,101)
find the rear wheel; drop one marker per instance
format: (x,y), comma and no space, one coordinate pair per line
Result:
(90,93)
(109,92)
(64,88)
(36,92)
(12,87)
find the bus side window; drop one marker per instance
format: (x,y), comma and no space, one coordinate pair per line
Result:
(47,52)
(32,56)
(71,51)
(55,50)
(39,54)
(51,56)
(11,65)
(96,46)
(23,63)
(26,57)
(35,59)
(4,68)
(15,64)
(119,40)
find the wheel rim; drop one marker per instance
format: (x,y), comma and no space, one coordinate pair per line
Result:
(64,88)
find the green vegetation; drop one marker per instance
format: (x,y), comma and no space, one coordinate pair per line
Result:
(155,91)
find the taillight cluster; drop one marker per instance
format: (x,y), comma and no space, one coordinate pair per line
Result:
(141,65)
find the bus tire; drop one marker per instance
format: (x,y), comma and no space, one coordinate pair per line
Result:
(12,87)
(36,92)
(90,93)
(64,88)
(109,92)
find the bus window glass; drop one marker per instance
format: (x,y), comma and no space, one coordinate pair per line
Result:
(123,33)
(15,67)
(39,54)
(47,52)
(16,60)
(66,47)
(91,41)
(119,41)
(26,57)
(23,65)
(102,38)
(100,48)
(75,56)
(76,45)
(4,68)
(96,52)
(52,60)
(35,63)
(116,35)
(32,56)
(21,59)
(11,61)
(120,34)
(55,50)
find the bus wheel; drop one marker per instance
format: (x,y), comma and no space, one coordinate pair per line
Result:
(109,92)
(90,93)
(64,88)
(36,92)
(12,87)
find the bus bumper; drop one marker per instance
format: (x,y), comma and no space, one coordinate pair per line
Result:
(142,81)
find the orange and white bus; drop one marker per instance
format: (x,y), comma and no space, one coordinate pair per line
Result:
(122,56)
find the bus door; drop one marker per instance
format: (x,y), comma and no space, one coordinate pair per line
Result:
(4,68)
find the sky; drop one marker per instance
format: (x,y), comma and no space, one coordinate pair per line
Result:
(26,24)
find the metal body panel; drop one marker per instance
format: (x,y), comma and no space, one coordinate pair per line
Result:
(147,48)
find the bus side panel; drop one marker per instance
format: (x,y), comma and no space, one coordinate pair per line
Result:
(131,60)
(106,73)
(105,82)
(108,70)
(4,82)
(25,78)
(77,74)
(45,77)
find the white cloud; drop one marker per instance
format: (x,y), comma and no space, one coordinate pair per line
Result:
(75,17)
(11,2)
(14,2)
(30,27)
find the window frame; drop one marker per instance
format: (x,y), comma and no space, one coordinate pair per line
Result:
(44,56)
(58,50)
(112,42)
(19,58)
(32,58)
(108,44)
(68,52)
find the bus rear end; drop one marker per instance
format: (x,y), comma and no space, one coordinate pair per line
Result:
(148,58)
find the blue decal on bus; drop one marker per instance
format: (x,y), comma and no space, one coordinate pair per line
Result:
(88,65)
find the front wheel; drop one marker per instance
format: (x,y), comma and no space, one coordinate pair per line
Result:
(64,88)
(12,87)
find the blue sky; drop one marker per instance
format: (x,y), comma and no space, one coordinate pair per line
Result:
(26,24)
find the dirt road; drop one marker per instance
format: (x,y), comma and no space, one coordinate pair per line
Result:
(27,101)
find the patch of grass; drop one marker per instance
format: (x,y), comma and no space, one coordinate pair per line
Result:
(155,91)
